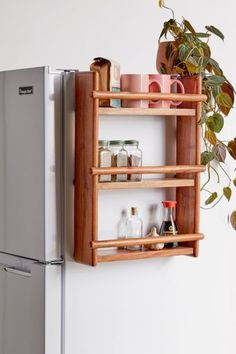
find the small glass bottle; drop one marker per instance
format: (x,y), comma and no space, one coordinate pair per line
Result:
(119,158)
(134,228)
(121,227)
(134,157)
(168,226)
(104,158)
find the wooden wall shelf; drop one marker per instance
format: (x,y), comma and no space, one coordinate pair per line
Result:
(186,172)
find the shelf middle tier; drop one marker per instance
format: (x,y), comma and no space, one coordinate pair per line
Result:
(148,183)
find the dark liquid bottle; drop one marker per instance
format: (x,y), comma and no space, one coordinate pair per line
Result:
(168,226)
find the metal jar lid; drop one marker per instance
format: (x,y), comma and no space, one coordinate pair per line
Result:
(103,143)
(131,142)
(116,142)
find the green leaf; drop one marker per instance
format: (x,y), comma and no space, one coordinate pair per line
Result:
(211,137)
(232,148)
(161,3)
(223,99)
(219,152)
(206,157)
(192,69)
(215,80)
(163,68)
(193,61)
(234,182)
(206,48)
(169,50)
(188,25)
(202,35)
(227,193)
(215,122)
(233,219)
(216,67)
(211,199)
(216,31)
(183,51)
(226,87)
(165,29)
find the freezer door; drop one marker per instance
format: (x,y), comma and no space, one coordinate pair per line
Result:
(30,308)
(30,163)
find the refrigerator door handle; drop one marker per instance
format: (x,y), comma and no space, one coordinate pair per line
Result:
(14,271)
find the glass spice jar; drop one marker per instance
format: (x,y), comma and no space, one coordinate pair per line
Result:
(104,158)
(134,157)
(119,158)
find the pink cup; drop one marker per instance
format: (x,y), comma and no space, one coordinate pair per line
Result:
(135,83)
(163,83)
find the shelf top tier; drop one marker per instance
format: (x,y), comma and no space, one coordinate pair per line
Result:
(149,96)
(105,111)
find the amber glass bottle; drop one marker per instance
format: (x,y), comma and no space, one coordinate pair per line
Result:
(168,226)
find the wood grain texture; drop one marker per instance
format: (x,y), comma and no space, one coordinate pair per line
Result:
(149,96)
(122,255)
(149,170)
(84,160)
(145,241)
(197,176)
(146,112)
(144,184)
(95,163)
(188,152)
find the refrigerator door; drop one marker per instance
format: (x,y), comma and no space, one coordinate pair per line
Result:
(30,307)
(30,158)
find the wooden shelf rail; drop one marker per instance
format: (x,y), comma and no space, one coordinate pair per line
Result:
(149,96)
(147,170)
(145,241)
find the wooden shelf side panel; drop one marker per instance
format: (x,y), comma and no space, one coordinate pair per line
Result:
(188,152)
(84,160)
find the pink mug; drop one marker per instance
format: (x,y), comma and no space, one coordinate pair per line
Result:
(163,83)
(135,83)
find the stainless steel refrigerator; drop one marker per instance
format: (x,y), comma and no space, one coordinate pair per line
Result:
(36,163)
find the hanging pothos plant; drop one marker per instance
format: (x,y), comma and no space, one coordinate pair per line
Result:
(189,54)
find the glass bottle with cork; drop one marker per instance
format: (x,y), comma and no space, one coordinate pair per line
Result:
(134,228)
(168,226)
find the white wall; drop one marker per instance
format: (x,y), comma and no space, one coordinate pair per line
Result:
(169,306)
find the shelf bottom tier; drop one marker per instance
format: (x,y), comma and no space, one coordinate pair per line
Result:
(110,255)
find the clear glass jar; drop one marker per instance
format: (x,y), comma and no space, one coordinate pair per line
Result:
(104,159)
(134,157)
(134,228)
(168,226)
(119,158)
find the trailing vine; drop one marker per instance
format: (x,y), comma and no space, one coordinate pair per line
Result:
(189,54)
